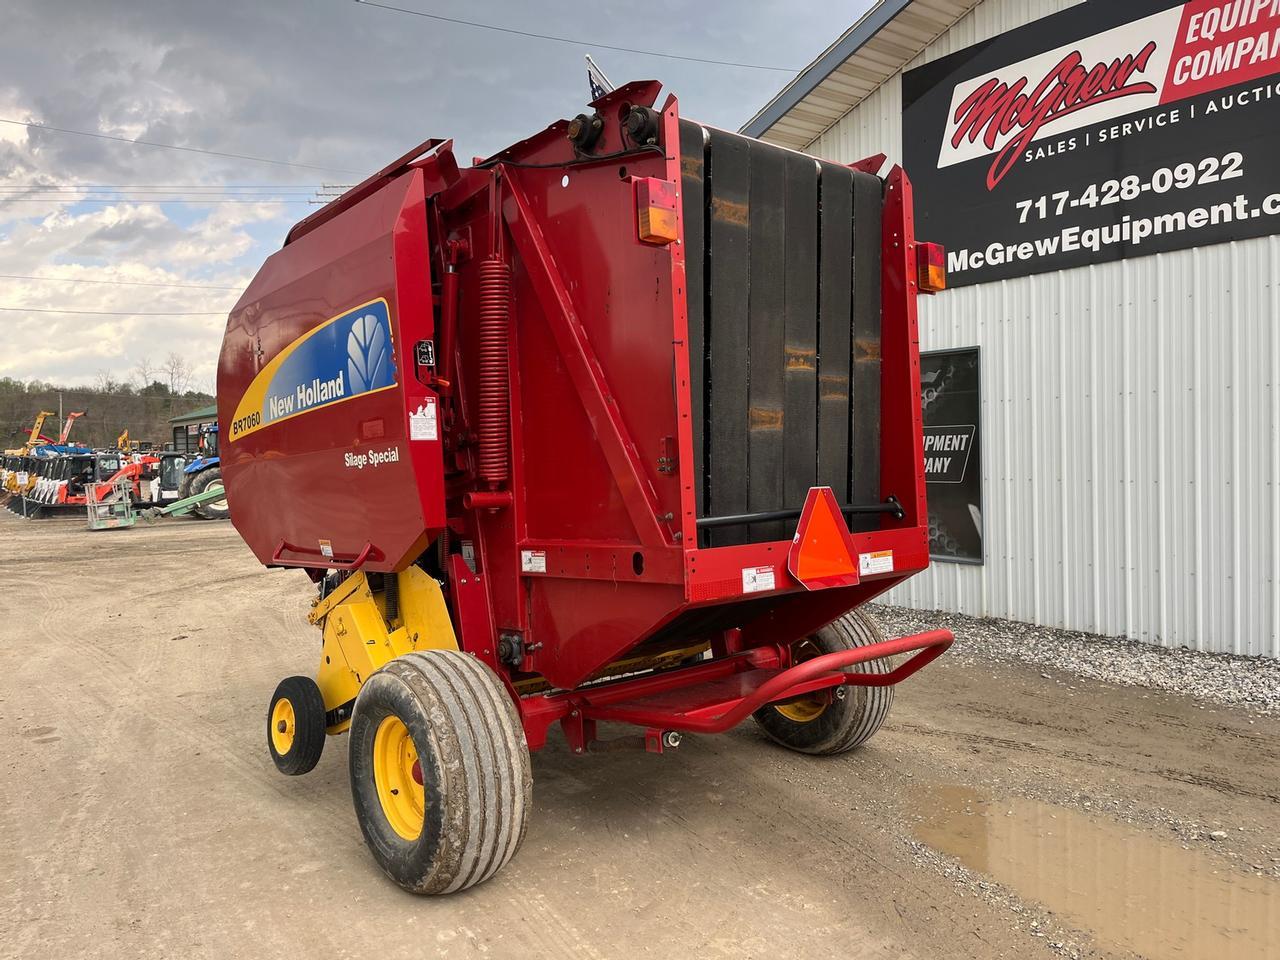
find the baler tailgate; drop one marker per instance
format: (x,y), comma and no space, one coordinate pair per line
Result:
(783,263)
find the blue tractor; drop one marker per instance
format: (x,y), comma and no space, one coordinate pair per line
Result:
(205,473)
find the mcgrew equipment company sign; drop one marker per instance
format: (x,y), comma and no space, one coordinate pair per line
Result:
(1109,130)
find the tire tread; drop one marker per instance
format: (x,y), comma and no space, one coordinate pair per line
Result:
(309,726)
(854,629)
(484,746)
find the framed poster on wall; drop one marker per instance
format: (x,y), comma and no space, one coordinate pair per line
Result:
(951,401)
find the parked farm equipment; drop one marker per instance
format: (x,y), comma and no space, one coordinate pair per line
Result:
(165,487)
(43,477)
(16,474)
(36,437)
(620,425)
(31,477)
(66,427)
(195,504)
(52,468)
(109,506)
(205,473)
(60,479)
(147,480)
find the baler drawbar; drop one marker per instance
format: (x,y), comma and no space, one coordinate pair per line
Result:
(618,426)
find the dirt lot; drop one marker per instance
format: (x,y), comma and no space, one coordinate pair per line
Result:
(1002,812)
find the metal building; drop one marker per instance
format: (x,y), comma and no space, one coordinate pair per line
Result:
(1129,406)
(186,428)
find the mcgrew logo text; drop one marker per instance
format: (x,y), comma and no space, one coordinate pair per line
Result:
(996,107)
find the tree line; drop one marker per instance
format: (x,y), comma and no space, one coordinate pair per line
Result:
(142,403)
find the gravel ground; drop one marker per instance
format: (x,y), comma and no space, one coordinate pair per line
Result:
(124,760)
(1031,918)
(1252,682)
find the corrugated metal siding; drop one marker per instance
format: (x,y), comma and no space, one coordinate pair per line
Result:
(1131,448)
(1131,426)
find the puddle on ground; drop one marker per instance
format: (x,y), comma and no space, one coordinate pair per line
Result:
(1132,890)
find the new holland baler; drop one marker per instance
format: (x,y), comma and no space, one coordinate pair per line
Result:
(621,425)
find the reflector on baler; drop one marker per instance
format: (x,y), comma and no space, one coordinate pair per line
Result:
(656,210)
(932,258)
(822,552)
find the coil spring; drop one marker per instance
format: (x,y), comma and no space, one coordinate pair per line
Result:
(494,413)
(442,547)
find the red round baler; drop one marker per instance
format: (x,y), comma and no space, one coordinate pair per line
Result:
(619,425)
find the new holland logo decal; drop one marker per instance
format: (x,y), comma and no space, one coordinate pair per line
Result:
(345,357)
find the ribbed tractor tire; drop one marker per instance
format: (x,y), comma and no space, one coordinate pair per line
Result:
(463,741)
(296,729)
(184,485)
(200,484)
(845,722)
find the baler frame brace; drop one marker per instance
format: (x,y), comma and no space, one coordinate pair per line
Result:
(718,695)
(584,369)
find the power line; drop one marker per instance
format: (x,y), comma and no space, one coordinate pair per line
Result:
(170,146)
(192,201)
(197,200)
(169,187)
(67,197)
(578,43)
(115,313)
(147,195)
(200,195)
(127,283)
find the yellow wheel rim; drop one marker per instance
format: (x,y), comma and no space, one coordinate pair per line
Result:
(804,709)
(398,777)
(283,726)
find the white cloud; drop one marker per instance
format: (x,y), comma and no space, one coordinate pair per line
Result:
(138,243)
(313,83)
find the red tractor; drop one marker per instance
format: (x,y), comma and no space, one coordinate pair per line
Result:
(621,425)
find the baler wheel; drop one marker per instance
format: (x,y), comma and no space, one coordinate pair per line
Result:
(440,772)
(218,509)
(296,726)
(839,720)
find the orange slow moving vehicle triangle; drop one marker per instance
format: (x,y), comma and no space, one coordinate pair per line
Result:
(822,553)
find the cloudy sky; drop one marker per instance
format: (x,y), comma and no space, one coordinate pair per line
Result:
(333,88)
